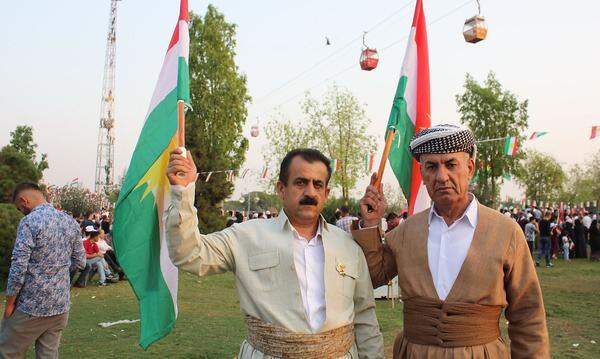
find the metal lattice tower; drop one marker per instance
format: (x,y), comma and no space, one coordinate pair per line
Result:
(105,158)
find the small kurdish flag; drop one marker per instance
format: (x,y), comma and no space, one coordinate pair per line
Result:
(511,145)
(334,165)
(369,162)
(537,134)
(595,132)
(139,232)
(411,113)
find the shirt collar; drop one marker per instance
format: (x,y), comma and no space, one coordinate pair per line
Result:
(282,220)
(470,213)
(41,206)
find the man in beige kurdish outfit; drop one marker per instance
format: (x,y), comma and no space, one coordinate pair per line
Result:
(304,285)
(459,263)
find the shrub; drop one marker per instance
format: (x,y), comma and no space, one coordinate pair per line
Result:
(9,220)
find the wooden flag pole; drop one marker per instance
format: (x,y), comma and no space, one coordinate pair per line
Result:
(386,153)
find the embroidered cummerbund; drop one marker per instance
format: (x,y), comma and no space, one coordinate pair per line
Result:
(450,324)
(283,343)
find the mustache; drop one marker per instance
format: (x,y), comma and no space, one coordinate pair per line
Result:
(309,201)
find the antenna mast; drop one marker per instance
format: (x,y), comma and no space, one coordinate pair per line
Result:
(105,157)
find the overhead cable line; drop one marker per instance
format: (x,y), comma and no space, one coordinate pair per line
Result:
(323,60)
(384,48)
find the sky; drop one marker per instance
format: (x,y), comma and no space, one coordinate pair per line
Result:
(52,60)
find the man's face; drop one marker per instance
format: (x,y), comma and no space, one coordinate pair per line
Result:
(447,176)
(306,191)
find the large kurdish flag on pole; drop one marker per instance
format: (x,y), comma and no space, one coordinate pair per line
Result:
(139,234)
(411,113)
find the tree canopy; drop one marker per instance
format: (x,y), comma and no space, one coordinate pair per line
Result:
(337,126)
(18,162)
(542,176)
(492,112)
(219,97)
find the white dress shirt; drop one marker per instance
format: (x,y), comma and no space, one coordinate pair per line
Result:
(309,260)
(447,246)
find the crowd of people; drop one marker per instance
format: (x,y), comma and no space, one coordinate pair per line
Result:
(554,232)
(551,232)
(100,256)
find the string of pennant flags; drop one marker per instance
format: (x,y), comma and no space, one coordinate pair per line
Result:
(511,148)
(511,143)
(335,164)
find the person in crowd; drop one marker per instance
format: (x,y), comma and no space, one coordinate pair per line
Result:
(595,240)
(531,230)
(459,263)
(304,285)
(555,240)
(544,248)
(345,221)
(393,220)
(579,237)
(38,289)
(566,247)
(87,221)
(111,263)
(106,224)
(94,259)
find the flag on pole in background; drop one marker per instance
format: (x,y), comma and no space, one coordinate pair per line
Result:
(511,146)
(334,165)
(537,134)
(595,132)
(265,172)
(411,113)
(139,233)
(369,162)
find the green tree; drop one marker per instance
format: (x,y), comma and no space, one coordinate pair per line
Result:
(219,97)
(22,141)
(9,220)
(542,176)
(582,182)
(18,162)
(491,112)
(336,126)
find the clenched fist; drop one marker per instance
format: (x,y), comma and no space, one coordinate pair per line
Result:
(181,170)
(372,205)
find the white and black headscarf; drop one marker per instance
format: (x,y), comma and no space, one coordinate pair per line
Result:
(443,139)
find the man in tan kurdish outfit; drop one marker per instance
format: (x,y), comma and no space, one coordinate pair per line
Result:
(459,263)
(304,285)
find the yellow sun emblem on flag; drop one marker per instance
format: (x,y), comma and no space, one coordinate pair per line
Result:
(156,176)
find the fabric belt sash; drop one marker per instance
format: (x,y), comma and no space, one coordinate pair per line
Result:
(283,343)
(450,324)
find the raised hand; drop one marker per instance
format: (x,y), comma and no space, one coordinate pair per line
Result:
(179,165)
(372,205)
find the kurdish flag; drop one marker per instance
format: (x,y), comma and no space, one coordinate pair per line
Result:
(537,134)
(511,146)
(139,233)
(411,113)
(369,162)
(595,132)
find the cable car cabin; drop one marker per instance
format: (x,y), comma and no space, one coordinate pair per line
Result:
(254,131)
(369,59)
(475,29)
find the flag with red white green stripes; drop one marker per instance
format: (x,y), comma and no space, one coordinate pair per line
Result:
(411,113)
(139,234)
(511,146)
(537,134)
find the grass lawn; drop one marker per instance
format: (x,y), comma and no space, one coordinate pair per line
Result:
(210,324)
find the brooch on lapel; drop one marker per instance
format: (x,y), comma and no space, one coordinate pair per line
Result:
(341,268)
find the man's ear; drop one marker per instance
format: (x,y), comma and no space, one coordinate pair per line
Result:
(279,189)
